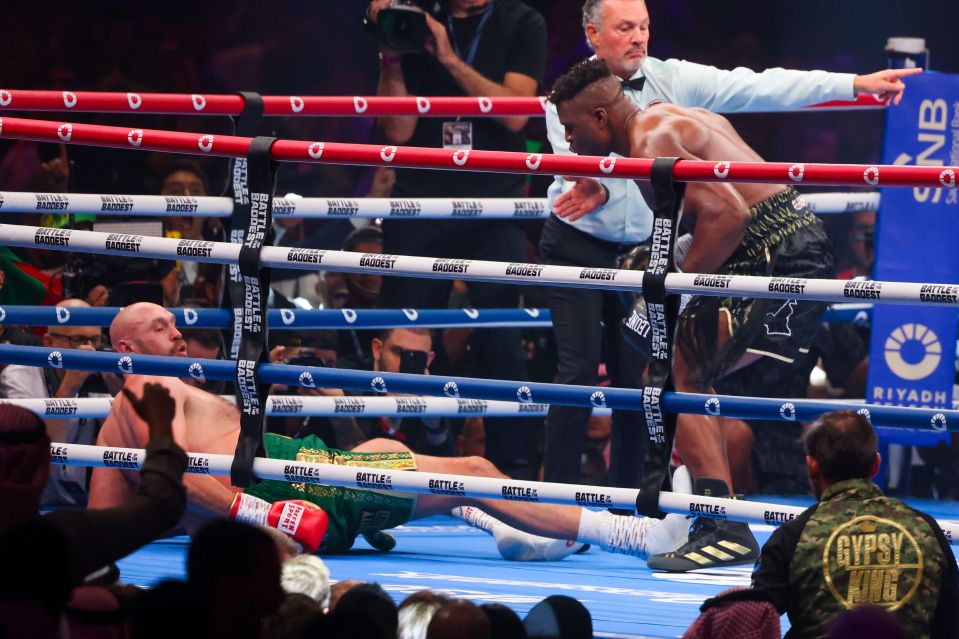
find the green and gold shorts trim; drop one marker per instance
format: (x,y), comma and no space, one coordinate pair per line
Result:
(352,512)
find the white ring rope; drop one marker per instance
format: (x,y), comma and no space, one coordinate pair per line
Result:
(307,406)
(482,270)
(316,207)
(443,484)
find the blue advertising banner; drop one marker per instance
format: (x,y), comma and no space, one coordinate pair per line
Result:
(912,356)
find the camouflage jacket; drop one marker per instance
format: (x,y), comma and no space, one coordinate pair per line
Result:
(858,546)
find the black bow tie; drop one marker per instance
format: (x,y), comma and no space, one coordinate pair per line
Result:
(636,84)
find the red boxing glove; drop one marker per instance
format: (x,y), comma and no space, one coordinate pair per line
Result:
(305,522)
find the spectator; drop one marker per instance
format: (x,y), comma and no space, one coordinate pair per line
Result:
(459,619)
(408,350)
(234,570)
(44,558)
(370,605)
(69,485)
(857,546)
(559,617)
(416,611)
(504,622)
(307,575)
(339,589)
(473,48)
(737,613)
(169,609)
(293,616)
(356,291)
(860,247)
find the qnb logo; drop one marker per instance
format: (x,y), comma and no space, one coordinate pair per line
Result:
(947,178)
(5,98)
(598,399)
(69,99)
(205,143)
(451,389)
(422,105)
(65,132)
(55,359)
(796,172)
(485,104)
(349,315)
(63,314)
(788,411)
(378,384)
(871,176)
(199,102)
(316,150)
(721,170)
(411,314)
(524,395)
(196,370)
(533,161)
(125,364)
(306,379)
(606,165)
(287,316)
(190,316)
(712,407)
(134,100)
(387,153)
(939,422)
(360,104)
(913,351)
(296,103)
(865,413)
(460,157)
(135,137)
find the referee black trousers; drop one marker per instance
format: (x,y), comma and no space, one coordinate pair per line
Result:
(586,323)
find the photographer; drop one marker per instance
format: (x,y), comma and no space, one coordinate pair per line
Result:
(68,485)
(312,348)
(492,48)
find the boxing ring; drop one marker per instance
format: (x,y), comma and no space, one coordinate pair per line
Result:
(625,598)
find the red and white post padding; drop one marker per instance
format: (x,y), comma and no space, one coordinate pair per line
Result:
(450,485)
(294,105)
(480,270)
(472,160)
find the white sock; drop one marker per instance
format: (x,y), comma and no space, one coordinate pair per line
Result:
(477,518)
(637,536)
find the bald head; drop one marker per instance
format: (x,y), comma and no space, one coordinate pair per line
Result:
(63,336)
(147,329)
(459,619)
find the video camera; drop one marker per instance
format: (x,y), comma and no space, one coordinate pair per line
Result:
(401,26)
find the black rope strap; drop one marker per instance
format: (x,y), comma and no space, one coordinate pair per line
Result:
(662,310)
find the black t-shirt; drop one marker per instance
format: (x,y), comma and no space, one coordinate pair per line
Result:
(512,40)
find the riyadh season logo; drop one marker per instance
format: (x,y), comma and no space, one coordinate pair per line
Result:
(316,150)
(788,411)
(69,99)
(712,407)
(63,314)
(287,316)
(796,172)
(135,137)
(913,351)
(871,176)
(598,399)
(451,389)
(524,395)
(306,379)
(378,384)
(55,359)
(349,315)
(196,370)
(205,143)
(939,422)
(721,170)
(125,364)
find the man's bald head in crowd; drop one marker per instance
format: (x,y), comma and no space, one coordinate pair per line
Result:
(147,329)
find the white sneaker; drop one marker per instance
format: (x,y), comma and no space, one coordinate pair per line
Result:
(516,545)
